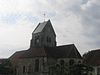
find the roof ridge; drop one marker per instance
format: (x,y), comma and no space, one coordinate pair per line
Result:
(77,52)
(95,50)
(36,27)
(40,26)
(65,45)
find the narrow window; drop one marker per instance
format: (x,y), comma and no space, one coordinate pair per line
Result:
(30,70)
(36,69)
(71,62)
(48,39)
(23,69)
(36,40)
(98,71)
(79,62)
(62,62)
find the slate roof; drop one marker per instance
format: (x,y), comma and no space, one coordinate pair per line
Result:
(66,51)
(40,27)
(92,57)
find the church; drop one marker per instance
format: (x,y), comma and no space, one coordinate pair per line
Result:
(43,53)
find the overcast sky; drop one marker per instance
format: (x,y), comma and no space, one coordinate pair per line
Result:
(74,21)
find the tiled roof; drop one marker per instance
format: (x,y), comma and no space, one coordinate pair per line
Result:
(66,51)
(92,57)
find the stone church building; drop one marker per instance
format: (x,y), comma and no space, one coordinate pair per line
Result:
(43,52)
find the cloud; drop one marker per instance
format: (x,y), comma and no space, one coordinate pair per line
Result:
(74,21)
(85,25)
(15,37)
(89,17)
(15,6)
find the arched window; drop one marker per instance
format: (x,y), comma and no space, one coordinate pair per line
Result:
(79,62)
(98,71)
(71,62)
(36,68)
(23,69)
(48,39)
(62,62)
(15,70)
(30,69)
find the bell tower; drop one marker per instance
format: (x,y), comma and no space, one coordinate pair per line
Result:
(43,35)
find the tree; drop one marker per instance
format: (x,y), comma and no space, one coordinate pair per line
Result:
(63,68)
(59,69)
(82,69)
(5,68)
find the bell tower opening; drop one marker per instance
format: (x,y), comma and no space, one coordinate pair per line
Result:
(43,35)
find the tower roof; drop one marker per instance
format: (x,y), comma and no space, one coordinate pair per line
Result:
(40,26)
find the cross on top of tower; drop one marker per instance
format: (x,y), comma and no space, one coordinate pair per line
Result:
(44,16)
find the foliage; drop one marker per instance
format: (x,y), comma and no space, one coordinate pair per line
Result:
(59,69)
(73,69)
(81,69)
(5,68)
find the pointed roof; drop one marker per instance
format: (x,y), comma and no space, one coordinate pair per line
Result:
(66,51)
(15,57)
(92,57)
(41,26)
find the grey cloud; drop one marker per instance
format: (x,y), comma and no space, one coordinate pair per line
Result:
(88,12)
(75,21)
(84,1)
(90,19)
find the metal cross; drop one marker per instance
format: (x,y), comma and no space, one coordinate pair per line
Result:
(44,16)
